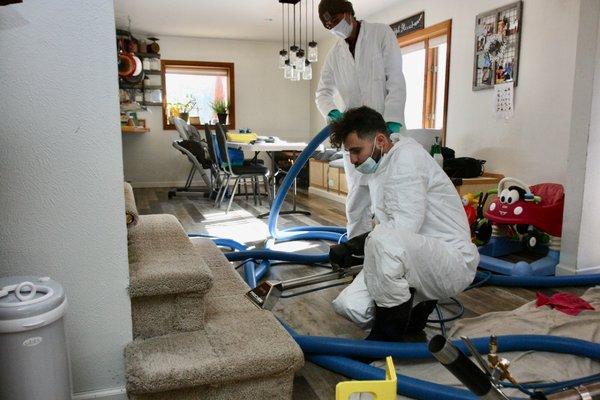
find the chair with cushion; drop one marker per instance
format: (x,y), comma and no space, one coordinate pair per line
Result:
(195,150)
(250,170)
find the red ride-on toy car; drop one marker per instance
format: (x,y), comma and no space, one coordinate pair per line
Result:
(524,217)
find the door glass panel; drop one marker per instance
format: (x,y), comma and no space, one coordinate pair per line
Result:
(413,66)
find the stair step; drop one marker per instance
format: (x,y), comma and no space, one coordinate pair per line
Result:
(168,278)
(226,280)
(239,342)
(271,388)
(162,260)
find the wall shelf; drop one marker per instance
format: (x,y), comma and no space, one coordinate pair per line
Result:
(134,129)
(142,91)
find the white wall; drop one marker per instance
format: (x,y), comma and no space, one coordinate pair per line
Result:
(265,102)
(317,121)
(61,176)
(585,253)
(539,130)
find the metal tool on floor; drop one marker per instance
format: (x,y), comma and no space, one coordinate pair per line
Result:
(267,294)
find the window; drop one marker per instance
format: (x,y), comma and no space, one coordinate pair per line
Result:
(203,82)
(426,64)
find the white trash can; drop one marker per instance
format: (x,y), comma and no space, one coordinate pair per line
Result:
(33,348)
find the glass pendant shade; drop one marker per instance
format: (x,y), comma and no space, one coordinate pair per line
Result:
(300,60)
(307,73)
(313,52)
(287,70)
(282,58)
(293,56)
(295,74)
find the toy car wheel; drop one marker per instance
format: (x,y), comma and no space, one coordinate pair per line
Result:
(483,232)
(530,241)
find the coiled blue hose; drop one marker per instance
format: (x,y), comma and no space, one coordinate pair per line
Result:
(334,353)
(537,281)
(253,272)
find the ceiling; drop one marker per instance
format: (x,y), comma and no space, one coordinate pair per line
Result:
(225,19)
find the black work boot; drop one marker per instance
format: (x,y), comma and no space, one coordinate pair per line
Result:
(419,316)
(391,322)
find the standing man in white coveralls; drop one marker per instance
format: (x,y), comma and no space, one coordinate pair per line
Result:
(365,68)
(420,248)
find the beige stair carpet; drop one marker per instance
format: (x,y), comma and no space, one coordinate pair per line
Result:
(239,343)
(168,278)
(131,212)
(242,352)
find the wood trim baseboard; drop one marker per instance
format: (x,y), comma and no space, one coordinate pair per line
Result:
(106,394)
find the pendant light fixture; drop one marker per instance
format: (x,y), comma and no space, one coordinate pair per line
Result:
(296,60)
(300,53)
(307,71)
(288,69)
(283,52)
(313,51)
(294,48)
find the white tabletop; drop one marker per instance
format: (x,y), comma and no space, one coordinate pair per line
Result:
(277,146)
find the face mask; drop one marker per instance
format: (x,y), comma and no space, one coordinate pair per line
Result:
(343,29)
(369,166)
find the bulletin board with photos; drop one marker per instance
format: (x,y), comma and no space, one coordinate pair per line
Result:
(497,42)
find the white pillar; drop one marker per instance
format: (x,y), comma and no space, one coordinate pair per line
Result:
(580,252)
(61,173)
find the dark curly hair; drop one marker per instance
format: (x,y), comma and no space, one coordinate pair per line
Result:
(365,121)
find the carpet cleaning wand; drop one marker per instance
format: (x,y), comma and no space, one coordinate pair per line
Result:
(455,361)
(268,293)
(484,381)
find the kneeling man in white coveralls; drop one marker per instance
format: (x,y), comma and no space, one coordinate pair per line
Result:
(420,247)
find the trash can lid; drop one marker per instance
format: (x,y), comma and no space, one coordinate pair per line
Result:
(28,296)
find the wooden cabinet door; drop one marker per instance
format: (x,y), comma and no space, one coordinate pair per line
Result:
(316,173)
(333,179)
(343,183)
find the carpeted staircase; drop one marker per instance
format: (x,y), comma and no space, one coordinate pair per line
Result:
(196,336)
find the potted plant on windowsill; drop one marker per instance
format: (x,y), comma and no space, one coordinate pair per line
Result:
(221,108)
(182,110)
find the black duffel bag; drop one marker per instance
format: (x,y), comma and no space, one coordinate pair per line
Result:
(463,167)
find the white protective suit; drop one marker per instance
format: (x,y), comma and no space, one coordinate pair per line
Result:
(373,78)
(421,238)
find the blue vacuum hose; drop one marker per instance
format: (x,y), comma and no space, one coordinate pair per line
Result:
(253,272)
(334,353)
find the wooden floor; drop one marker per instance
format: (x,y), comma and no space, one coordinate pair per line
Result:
(311,313)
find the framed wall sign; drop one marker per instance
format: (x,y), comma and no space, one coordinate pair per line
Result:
(409,24)
(497,43)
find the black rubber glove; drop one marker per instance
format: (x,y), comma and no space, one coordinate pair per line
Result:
(345,255)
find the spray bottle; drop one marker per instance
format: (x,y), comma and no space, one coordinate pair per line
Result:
(436,152)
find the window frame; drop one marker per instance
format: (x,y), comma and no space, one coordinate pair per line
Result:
(431,56)
(210,64)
